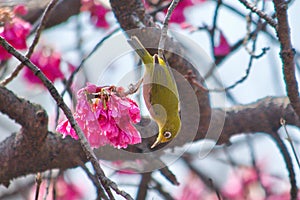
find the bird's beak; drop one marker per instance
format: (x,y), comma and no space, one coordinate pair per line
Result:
(157,142)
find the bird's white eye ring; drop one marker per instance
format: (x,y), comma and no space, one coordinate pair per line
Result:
(167,134)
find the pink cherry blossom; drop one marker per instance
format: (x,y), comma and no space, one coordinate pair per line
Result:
(20,9)
(49,62)
(223,48)
(65,128)
(178,14)
(239,183)
(98,12)
(105,117)
(193,189)
(15,31)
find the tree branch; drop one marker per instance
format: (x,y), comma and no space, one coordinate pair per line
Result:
(66,153)
(264,116)
(63,11)
(35,124)
(55,152)
(143,187)
(287,54)
(288,162)
(260,13)
(18,157)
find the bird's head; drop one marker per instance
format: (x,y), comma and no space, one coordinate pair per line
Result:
(168,131)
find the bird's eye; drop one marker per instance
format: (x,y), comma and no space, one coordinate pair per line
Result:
(167,134)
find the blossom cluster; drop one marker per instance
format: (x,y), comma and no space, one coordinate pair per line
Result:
(97,12)
(49,62)
(105,117)
(14,30)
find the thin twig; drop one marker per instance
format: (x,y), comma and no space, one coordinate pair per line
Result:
(242,79)
(161,191)
(159,9)
(166,172)
(247,37)
(214,26)
(107,183)
(95,181)
(253,36)
(287,53)
(41,26)
(239,13)
(72,76)
(206,180)
(249,141)
(212,186)
(233,48)
(191,77)
(260,13)
(49,177)
(54,182)
(164,31)
(38,180)
(143,187)
(289,164)
(289,139)
(64,81)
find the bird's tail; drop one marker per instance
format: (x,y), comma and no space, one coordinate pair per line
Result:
(140,50)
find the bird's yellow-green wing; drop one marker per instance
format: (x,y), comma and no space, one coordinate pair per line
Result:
(163,90)
(163,75)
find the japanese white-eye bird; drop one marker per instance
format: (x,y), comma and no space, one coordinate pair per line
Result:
(160,93)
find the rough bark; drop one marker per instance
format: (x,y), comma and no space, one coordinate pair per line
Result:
(20,155)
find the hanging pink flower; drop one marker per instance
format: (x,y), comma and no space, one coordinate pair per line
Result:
(15,31)
(48,61)
(105,117)
(223,48)
(98,12)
